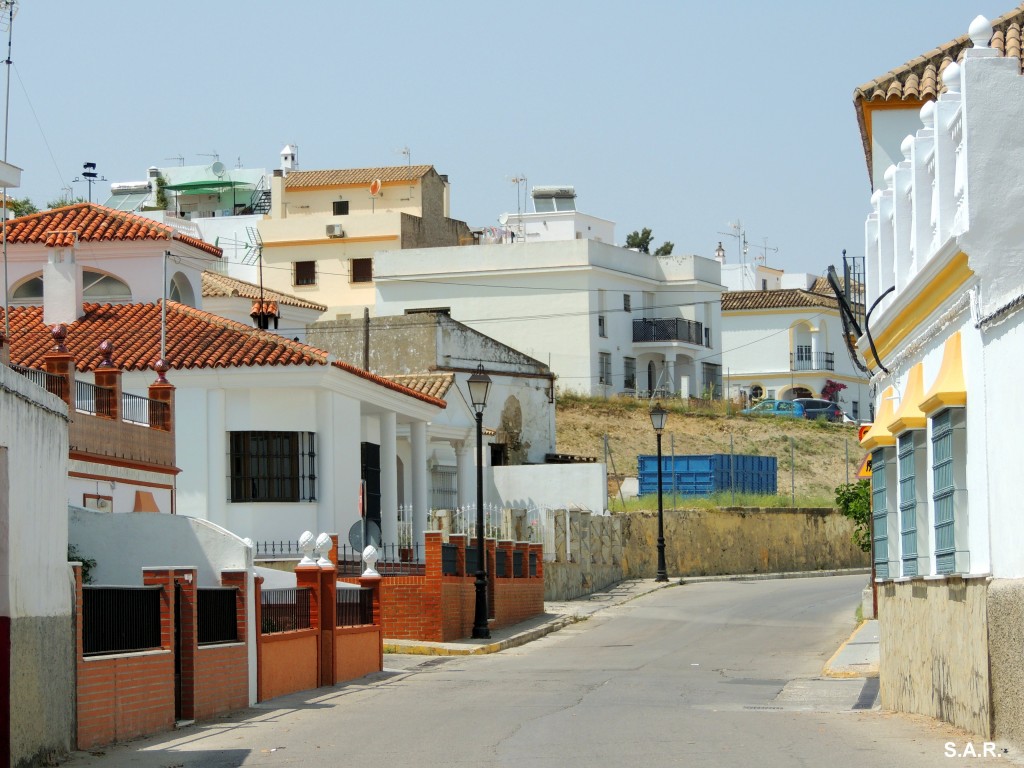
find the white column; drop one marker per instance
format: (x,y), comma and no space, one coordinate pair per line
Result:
(815,366)
(420,481)
(217,494)
(670,366)
(389,478)
(465,472)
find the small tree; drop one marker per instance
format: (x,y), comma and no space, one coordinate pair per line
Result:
(21,206)
(665,249)
(854,501)
(831,390)
(63,200)
(641,241)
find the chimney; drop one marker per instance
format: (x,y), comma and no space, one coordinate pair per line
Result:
(278,210)
(62,287)
(289,158)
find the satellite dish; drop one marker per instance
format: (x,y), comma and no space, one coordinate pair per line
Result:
(375,187)
(218,168)
(503,219)
(355,534)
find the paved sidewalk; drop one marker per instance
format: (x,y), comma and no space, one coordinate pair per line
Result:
(556,615)
(858,656)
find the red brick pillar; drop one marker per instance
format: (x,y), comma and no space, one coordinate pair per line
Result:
(108,399)
(61,363)
(374,582)
(333,554)
(328,621)
(308,577)
(490,546)
(188,643)
(5,351)
(459,540)
(432,554)
(258,619)
(523,547)
(539,549)
(161,391)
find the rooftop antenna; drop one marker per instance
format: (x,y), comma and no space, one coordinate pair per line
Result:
(89,176)
(741,238)
(8,6)
(214,155)
(764,251)
(520,201)
(179,158)
(408,155)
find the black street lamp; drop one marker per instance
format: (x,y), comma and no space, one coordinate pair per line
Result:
(479,383)
(658,418)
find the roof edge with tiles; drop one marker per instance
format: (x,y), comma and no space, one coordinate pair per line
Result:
(920,79)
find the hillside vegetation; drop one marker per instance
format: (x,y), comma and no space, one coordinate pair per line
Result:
(824,455)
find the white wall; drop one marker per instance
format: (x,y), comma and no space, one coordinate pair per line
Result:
(552,486)
(33,526)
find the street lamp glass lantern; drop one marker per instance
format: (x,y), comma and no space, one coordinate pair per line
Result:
(479,384)
(658,417)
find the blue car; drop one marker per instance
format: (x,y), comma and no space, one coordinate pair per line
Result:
(776,408)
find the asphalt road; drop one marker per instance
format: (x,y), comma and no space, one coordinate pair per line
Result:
(712,674)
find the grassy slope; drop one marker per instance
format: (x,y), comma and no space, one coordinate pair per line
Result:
(819,448)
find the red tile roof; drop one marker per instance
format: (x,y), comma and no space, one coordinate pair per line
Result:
(221,285)
(195,339)
(920,79)
(337,178)
(787,298)
(89,222)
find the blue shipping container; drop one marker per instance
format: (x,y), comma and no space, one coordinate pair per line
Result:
(711,473)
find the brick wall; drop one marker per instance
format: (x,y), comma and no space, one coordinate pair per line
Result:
(221,672)
(127,695)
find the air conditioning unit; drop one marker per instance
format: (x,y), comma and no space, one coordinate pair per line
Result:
(335,230)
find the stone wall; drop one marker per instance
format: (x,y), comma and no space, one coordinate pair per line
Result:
(1005,606)
(583,553)
(933,647)
(702,542)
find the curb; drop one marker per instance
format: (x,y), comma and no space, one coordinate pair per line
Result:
(446,649)
(846,673)
(773,576)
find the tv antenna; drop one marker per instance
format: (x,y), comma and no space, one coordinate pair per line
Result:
(7,8)
(408,155)
(520,180)
(763,257)
(214,155)
(179,158)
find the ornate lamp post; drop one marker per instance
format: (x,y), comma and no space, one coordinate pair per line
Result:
(479,383)
(658,418)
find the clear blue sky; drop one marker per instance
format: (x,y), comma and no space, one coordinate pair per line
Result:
(680,116)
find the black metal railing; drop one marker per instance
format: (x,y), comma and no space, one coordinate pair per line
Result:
(120,619)
(98,401)
(668,329)
(217,615)
(393,560)
(533,565)
(354,606)
(284,610)
(277,549)
(812,361)
(51,382)
(500,562)
(449,560)
(139,410)
(517,564)
(471,563)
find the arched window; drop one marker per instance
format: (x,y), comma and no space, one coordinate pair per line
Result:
(96,287)
(181,290)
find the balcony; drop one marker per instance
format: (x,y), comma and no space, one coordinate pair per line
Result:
(668,329)
(812,361)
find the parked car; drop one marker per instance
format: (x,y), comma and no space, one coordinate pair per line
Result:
(820,409)
(791,408)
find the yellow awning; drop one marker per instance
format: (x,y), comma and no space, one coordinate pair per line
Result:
(910,415)
(879,435)
(949,389)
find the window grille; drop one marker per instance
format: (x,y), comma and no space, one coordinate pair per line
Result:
(304,273)
(908,504)
(604,367)
(629,377)
(362,270)
(943,486)
(272,466)
(340,208)
(880,539)
(444,488)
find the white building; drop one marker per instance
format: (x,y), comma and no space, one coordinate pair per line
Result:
(605,319)
(945,233)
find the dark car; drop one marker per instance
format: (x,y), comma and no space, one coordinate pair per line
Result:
(820,409)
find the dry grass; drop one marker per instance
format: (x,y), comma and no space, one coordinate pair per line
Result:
(819,449)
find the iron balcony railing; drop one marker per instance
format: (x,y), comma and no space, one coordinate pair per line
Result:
(49,381)
(354,606)
(812,361)
(120,619)
(668,329)
(98,401)
(217,615)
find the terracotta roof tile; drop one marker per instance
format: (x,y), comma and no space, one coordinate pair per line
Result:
(787,298)
(432,384)
(338,178)
(221,285)
(386,382)
(195,339)
(920,79)
(89,222)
